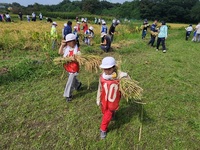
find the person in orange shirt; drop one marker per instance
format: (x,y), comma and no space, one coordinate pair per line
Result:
(69,48)
(108,94)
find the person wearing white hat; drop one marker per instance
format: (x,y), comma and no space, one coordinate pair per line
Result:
(54,34)
(104,28)
(112,28)
(69,48)
(63,34)
(75,32)
(106,42)
(89,34)
(108,94)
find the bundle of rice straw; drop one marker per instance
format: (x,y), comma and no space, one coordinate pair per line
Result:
(130,90)
(90,62)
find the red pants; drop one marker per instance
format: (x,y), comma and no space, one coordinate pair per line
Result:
(106,118)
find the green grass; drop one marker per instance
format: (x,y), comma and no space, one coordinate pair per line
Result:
(34,114)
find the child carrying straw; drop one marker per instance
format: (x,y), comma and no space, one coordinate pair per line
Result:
(69,48)
(109,95)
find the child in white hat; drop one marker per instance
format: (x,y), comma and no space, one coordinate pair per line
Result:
(69,48)
(108,94)
(89,34)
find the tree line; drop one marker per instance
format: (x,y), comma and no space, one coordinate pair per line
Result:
(180,11)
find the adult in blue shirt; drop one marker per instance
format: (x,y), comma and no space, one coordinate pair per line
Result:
(68,28)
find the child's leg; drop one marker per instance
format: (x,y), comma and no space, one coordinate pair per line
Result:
(69,85)
(76,84)
(163,44)
(106,118)
(158,43)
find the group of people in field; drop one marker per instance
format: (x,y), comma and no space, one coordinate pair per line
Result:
(159,33)
(86,33)
(108,95)
(5,17)
(196,32)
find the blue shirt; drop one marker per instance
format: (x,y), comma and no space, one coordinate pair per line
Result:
(163,31)
(67,30)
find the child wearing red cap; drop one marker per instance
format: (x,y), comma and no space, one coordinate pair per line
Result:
(69,48)
(109,95)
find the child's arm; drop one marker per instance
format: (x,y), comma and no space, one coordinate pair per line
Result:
(63,44)
(99,94)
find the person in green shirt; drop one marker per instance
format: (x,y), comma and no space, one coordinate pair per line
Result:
(54,34)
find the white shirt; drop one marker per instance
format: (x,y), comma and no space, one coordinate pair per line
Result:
(198,28)
(189,29)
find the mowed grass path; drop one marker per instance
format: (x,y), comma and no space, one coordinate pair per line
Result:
(34,114)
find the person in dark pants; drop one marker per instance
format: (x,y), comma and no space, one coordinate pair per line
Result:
(154,33)
(20,15)
(112,28)
(189,29)
(106,44)
(162,36)
(144,28)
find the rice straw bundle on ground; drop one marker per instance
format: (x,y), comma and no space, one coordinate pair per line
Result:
(90,62)
(130,89)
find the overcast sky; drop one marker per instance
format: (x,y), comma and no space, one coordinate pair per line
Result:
(48,2)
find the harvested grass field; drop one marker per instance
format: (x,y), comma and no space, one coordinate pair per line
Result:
(34,114)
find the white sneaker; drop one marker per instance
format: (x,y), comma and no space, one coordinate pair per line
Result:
(164,51)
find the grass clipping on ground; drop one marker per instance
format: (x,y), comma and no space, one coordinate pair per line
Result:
(90,62)
(130,90)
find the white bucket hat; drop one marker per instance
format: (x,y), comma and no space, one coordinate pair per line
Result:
(70,37)
(54,23)
(91,28)
(108,62)
(102,34)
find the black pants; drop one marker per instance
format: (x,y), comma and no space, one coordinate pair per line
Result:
(152,40)
(187,35)
(162,40)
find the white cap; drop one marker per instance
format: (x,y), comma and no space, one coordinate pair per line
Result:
(118,22)
(103,22)
(75,27)
(65,24)
(108,62)
(70,37)
(78,23)
(114,21)
(54,23)
(102,34)
(91,28)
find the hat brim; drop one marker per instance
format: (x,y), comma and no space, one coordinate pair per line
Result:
(103,35)
(105,66)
